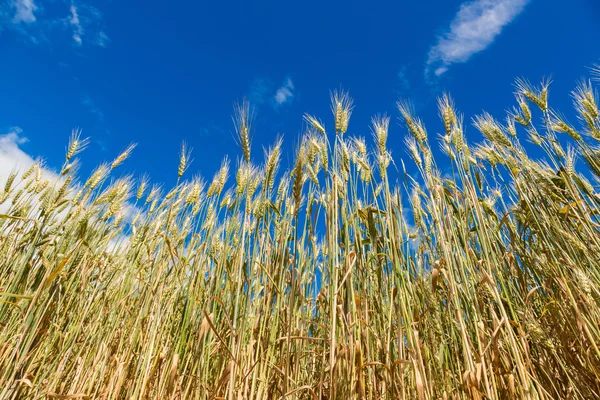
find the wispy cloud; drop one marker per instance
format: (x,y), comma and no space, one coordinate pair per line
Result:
(92,107)
(41,21)
(473,29)
(24,11)
(76,24)
(101,39)
(86,20)
(402,83)
(262,91)
(258,91)
(285,92)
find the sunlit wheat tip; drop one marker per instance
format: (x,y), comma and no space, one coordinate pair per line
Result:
(9,182)
(557,148)
(76,144)
(64,188)
(227,199)
(142,185)
(123,156)
(38,174)
(446,110)
(585,99)
(29,171)
(219,179)
(380,126)
(97,176)
(70,168)
(341,106)
(458,138)
(194,194)
(526,117)
(272,157)
(41,186)
(152,207)
(17,196)
(361,146)
(254,179)
(417,209)
(298,181)
(487,125)
(242,119)
(537,96)
(184,160)
(241,179)
(411,144)
(153,194)
(413,124)
(315,123)
(171,194)
(510,126)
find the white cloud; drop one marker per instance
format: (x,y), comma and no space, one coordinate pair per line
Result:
(473,29)
(24,10)
(14,160)
(285,92)
(41,21)
(76,24)
(85,21)
(102,39)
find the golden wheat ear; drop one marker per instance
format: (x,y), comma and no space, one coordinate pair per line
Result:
(272,160)
(123,156)
(315,123)
(242,121)
(414,125)
(76,144)
(537,95)
(446,111)
(341,107)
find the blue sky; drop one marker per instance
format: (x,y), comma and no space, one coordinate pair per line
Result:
(158,73)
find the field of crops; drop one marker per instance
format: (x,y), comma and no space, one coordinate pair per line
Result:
(338,276)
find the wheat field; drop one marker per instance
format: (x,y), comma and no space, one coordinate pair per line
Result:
(340,276)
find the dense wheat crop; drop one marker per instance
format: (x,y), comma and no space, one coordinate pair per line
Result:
(343,277)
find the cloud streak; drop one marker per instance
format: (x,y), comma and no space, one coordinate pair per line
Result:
(285,92)
(41,21)
(24,11)
(92,107)
(86,21)
(262,91)
(473,29)
(76,24)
